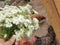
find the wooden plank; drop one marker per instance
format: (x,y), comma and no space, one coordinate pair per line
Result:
(57,3)
(53,16)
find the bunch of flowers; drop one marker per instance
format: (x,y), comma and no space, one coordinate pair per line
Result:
(17,21)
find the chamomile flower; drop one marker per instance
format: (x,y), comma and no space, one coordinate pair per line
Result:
(15,20)
(31,27)
(8,25)
(2,17)
(27,22)
(21,18)
(35,20)
(8,20)
(36,23)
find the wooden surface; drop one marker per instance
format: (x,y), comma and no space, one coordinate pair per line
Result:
(53,16)
(57,3)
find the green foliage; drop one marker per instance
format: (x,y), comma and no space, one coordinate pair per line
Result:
(8,31)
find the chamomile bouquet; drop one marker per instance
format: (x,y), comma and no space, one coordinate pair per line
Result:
(17,21)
